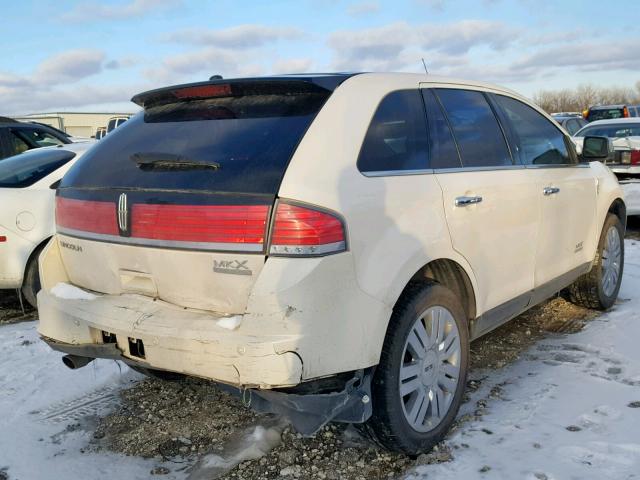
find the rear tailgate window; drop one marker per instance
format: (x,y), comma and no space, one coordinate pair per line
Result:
(237,144)
(604,114)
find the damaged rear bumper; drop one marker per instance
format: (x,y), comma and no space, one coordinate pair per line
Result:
(157,335)
(307,412)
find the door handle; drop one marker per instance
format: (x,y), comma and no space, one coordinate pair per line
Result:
(550,190)
(464,201)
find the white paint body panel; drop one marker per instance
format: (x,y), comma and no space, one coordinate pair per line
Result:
(330,313)
(27,220)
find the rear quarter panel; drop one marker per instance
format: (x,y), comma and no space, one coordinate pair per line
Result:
(395,224)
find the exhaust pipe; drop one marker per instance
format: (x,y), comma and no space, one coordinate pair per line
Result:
(74,361)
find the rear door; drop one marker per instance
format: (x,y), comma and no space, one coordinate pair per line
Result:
(175,203)
(490,204)
(565,190)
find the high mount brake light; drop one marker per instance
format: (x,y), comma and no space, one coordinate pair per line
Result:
(305,231)
(203,91)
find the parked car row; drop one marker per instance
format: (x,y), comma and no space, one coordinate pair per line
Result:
(624,134)
(113,123)
(607,112)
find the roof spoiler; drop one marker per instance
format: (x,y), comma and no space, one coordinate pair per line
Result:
(240,87)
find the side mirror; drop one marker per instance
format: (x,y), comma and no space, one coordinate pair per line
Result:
(596,148)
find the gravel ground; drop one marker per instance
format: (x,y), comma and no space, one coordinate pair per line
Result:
(11,311)
(183,420)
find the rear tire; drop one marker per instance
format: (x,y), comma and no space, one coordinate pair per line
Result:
(420,380)
(598,289)
(31,283)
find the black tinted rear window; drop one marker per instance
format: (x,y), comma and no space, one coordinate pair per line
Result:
(232,144)
(604,113)
(27,168)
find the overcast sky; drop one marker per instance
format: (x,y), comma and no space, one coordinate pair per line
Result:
(95,55)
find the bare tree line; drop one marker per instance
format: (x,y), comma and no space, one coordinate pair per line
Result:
(584,96)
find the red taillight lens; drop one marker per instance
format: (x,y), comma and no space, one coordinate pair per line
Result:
(86,216)
(635,157)
(3,238)
(625,112)
(242,225)
(305,231)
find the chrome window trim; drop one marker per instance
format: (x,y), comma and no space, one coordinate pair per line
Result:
(397,173)
(560,165)
(480,169)
(173,244)
(401,173)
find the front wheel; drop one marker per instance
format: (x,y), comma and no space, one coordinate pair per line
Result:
(598,289)
(419,383)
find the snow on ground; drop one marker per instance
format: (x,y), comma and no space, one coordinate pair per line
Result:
(631,189)
(46,412)
(564,410)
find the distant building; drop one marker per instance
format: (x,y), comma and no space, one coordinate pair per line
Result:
(78,124)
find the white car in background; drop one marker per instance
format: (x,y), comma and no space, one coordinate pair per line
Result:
(28,184)
(625,163)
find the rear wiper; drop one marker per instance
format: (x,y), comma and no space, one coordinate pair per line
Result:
(168,161)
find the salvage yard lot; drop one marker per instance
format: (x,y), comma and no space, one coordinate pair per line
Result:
(551,395)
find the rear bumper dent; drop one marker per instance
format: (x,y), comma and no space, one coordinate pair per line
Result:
(174,340)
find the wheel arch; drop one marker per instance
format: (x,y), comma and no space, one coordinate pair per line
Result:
(36,251)
(619,209)
(450,274)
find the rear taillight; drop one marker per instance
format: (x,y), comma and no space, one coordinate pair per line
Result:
(231,227)
(296,230)
(301,230)
(625,112)
(86,216)
(3,238)
(635,157)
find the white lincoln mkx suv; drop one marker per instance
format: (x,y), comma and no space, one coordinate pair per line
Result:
(327,244)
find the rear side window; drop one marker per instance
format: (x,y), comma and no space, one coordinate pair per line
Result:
(16,144)
(239,144)
(37,138)
(572,126)
(538,141)
(444,153)
(475,128)
(27,168)
(397,135)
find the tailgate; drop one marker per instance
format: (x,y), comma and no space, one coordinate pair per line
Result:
(175,204)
